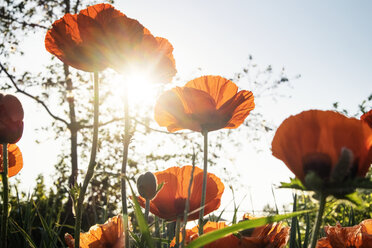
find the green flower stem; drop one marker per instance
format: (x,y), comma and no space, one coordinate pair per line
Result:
(187,202)
(92,163)
(147,210)
(204,188)
(4,224)
(318,220)
(178,225)
(157,231)
(126,142)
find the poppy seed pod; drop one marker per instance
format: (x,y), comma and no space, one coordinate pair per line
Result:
(11,119)
(146,185)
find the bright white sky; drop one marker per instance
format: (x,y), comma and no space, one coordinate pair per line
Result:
(327,42)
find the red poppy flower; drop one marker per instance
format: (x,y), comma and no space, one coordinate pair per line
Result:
(358,236)
(313,141)
(170,201)
(367,117)
(206,103)
(109,234)
(11,119)
(228,241)
(15,159)
(268,236)
(89,40)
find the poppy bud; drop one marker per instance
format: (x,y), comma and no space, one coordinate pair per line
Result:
(11,119)
(146,185)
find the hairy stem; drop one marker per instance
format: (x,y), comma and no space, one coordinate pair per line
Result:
(92,163)
(147,210)
(126,142)
(157,231)
(204,188)
(178,224)
(318,220)
(188,202)
(4,224)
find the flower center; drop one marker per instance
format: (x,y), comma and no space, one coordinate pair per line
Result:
(320,163)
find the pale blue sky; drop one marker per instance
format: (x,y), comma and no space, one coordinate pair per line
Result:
(327,42)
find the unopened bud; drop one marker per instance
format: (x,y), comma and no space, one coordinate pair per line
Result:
(146,185)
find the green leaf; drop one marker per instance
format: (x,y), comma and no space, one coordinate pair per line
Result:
(295,183)
(354,198)
(363,183)
(160,186)
(212,236)
(142,223)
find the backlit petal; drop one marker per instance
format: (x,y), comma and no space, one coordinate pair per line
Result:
(322,132)
(219,88)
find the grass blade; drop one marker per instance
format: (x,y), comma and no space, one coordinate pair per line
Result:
(212,236)
(24,233)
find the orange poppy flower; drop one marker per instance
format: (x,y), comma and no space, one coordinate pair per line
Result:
(206,103)
(268,236)
(192,234)
(313,141)
(367,117)
(170,201)
(15,159)
(110,234)
(11,119)
(358,236)
(88,40)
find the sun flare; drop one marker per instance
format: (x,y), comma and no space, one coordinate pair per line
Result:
(141,90)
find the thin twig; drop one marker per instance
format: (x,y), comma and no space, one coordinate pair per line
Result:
(101,124)
(23,22)
(76,6)
(157,130)
(33,97)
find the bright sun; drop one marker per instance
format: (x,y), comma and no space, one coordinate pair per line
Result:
(141,90)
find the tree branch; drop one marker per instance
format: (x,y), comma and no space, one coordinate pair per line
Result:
(101,124)
(23,22)
(33,97)
(76,6)
(137,121)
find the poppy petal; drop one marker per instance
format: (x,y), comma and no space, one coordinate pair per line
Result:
(109,234)
(170,201)
(208,103)
(238,108)
(322,132)
(184,107)
(219,88)
(367,117)
(228,241)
